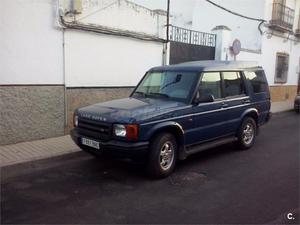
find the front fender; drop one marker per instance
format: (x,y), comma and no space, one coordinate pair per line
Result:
(165,125)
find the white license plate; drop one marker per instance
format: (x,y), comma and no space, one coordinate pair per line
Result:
(90,143)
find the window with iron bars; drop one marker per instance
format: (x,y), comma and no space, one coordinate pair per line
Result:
(297,32)
(282,67)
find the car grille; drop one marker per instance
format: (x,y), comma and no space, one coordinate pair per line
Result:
(94,129)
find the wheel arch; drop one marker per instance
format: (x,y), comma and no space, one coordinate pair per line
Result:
(253,113)
(170,127)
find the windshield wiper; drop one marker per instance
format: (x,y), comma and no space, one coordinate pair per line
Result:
(159,94)
(140,93)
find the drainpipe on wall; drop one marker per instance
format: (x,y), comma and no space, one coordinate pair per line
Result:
(60,12)
(166,48)
(65,85)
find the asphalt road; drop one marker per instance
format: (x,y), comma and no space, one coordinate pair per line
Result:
(220,186)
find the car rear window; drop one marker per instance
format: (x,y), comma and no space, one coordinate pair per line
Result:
(257,80)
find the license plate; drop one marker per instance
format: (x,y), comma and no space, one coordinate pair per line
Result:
(90,143)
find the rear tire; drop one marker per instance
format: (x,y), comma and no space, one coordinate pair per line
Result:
(247,134)
(162,155)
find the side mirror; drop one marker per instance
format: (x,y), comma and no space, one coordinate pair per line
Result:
(204,99)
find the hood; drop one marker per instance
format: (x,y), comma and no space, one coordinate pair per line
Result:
(129,110)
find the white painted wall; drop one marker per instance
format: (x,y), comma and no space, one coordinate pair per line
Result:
(103,60)
(289,3)
(249,35)
(272,45)
(125,15)
(30,44)
(207,16)
(270,48)
(100,60)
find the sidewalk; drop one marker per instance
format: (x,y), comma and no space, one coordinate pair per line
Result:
(278,107)
(34,150)
(46,148)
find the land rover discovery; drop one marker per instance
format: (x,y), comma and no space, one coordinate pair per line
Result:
(176,111)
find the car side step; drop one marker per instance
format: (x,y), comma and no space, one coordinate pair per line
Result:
(212,144)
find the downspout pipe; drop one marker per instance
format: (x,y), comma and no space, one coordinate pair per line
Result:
(166,44)
(168,22)
(108,31)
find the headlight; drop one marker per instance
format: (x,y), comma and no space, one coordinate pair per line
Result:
(75,121)
(130,131)
(120,130)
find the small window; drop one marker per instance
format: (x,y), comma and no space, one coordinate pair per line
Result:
(210,85)
(233,84)
(282,66)
(257,80)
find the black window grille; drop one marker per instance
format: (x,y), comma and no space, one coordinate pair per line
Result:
(179,34)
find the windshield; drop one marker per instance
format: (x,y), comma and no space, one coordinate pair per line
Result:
(173,85)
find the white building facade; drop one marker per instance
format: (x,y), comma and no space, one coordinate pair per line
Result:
(57,55)
(275,44)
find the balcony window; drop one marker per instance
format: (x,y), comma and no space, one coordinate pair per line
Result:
(282,17)
(297,31)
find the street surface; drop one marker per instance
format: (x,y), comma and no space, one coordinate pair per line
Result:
(219,186)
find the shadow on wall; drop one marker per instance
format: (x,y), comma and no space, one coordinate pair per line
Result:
(80,97)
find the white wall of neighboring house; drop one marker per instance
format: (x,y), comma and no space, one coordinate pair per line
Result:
(97,60)
(207,16)
(270,48)
(125,15)
(273,44)
(255,47)
(31,71)
(101,60)
(30,42)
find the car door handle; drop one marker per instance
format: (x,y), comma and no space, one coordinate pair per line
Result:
(246,101)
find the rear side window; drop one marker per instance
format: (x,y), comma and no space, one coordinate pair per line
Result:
(257,81)
(233,84)
(210,85)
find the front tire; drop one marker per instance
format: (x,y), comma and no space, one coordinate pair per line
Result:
(162,155)
(247,134)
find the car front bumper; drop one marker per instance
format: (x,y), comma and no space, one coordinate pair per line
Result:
(115,148)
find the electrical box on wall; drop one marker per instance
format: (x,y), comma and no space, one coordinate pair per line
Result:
(73,6)
(76,6)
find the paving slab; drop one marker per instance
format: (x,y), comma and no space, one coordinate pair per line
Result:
(35,150)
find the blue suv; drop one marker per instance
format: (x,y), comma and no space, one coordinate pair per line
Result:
(176,111)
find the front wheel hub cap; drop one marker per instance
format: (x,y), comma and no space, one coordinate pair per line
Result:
(166,155)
